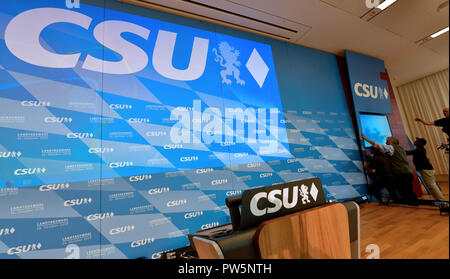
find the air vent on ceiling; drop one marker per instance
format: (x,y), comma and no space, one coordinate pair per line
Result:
(443,5)
(230,14)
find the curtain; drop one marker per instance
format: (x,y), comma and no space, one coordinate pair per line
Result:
(425,98)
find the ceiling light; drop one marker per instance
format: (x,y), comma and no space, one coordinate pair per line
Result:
(439,33)
(386,4)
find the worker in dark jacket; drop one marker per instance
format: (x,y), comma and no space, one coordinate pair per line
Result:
(380,170)
(425,168)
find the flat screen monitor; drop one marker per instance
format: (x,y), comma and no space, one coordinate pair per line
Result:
(376,127)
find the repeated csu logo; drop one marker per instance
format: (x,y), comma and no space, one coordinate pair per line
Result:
(52,119)
(77,202)
(7,231)
(82,135)
(24,43)
(24,248)
(191,215)
(34,103)
(121,229)
(10,154)
(30,171)
(54,187)
(124,164)
(100,150)
(142,242)
(160,190)
(137,178)
(100,216)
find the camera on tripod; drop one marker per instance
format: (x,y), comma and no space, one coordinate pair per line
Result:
(444,146)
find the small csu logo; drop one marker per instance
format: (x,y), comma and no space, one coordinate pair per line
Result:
(142,242)
(24,248)
(54,187)
(121,229)
(51,119)
(30,171)
(7,231)
(75,202)
(370,91)
(79,135)
(10,154)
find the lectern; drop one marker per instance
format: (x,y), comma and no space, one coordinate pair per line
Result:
(290,228)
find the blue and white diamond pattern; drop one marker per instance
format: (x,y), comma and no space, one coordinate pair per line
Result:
(257,67)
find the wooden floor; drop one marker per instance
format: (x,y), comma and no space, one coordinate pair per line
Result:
(404,232)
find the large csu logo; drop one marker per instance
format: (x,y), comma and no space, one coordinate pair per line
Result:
(22,38)
(370,91)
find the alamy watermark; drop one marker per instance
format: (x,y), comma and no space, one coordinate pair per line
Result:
(373,250)
(233,125)
(73,251)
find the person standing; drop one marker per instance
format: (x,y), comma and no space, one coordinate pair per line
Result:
(423,165)
(400,167)
(380,170)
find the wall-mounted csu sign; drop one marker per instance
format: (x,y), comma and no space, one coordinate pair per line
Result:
(25,44)
(370,92)
(260,204)
(183,93)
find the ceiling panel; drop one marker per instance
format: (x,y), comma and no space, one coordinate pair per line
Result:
(413,19)
(439,45)
(336,25)
(231,14)
(239,8)
(356,8)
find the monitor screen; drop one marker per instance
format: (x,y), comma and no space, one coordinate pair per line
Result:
(375,127)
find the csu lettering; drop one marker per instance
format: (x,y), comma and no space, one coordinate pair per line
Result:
(370,91)
(24,248)
(24,43)
(280,198)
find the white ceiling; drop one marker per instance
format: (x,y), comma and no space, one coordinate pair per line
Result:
(336,25)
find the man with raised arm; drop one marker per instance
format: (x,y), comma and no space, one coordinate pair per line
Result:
(443,122)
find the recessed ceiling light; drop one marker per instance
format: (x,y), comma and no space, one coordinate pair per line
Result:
(439,33)
(386,4)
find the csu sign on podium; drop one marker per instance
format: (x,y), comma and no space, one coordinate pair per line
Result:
(260,204)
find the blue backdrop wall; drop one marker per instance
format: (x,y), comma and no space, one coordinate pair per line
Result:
(123,129)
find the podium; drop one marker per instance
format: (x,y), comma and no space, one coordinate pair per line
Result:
(326,231)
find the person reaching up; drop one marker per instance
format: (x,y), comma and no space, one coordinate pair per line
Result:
(400,167)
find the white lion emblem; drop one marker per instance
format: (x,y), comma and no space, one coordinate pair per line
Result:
(230,55)
(304,194)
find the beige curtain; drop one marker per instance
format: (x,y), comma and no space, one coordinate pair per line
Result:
(425,98)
